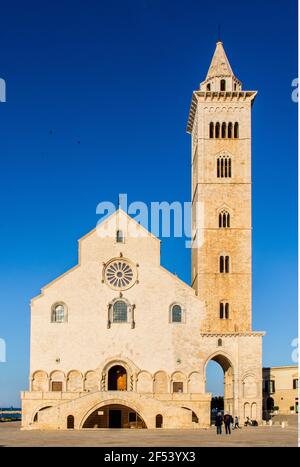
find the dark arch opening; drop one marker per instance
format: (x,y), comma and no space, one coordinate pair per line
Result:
(236,130)
(224,127)
(230,130)
(114,416)
(223,85)
(117,378)
(218,130)
(211,130)
(70,422)
(159,421)
(219,382)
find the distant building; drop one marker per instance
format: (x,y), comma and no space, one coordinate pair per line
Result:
(280,389)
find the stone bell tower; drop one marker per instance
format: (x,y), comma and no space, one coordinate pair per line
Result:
(220,126)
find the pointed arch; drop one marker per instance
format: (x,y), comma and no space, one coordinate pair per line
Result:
(236,130)
(224,130)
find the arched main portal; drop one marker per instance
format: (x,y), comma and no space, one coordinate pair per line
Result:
(117,378)
(114,416)
(225,393)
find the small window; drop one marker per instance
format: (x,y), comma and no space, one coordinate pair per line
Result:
(224,264)
(227,264)
(236,130)
(221,264)
(230,130)
(56,386)
(295,383)
(158,421)
(70,422)
(270,386)
(176,314)
(224,219)
(223,85)
(211,130)
(120,312)
(208,87)
(224,310)
(119,236)
(58,314)
(177,386)
(220,343)
(224,167)
(217,134)
(224,128)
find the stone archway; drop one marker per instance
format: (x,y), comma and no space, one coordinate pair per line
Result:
(228,381)
(114,416)
(117,378)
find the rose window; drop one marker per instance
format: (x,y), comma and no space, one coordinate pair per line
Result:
(119,274)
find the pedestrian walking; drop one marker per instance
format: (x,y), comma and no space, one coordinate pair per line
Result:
(236,422)
(218,423)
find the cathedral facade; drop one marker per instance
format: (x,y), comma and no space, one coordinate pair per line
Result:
(118,341)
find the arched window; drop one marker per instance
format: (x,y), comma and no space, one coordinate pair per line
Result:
(119,312)
(224,310)
(224,264)
(119,236)
(219,342)
(211,130)
(230,130)
(70,422)
(208,87)
(223,85)
(217,130)
(221,264)
(158,421)
(58,313)
(227,264)
(176,314)
(224,130)
(224,167)
(224,219)
(236,130)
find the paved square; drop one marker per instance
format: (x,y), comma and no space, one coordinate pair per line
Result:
(12,436)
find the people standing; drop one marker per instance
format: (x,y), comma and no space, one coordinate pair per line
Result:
(218,423)
(227,422)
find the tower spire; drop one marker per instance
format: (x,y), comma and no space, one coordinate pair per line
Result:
(220,65)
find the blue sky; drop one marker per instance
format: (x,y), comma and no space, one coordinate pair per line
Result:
(118,77)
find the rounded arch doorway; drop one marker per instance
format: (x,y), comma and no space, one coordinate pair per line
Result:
(114,416)
(219,380)
(117,378)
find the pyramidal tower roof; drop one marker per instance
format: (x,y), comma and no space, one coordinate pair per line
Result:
(220,65)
